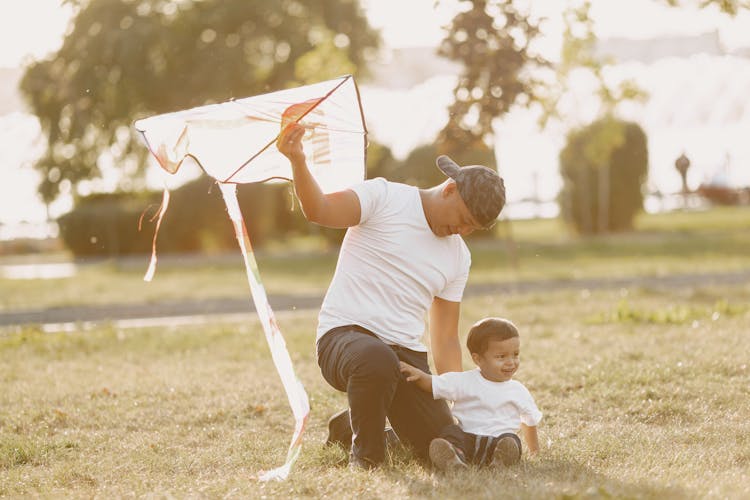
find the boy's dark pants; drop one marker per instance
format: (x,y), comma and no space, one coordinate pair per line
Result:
(355,361)
(476,449)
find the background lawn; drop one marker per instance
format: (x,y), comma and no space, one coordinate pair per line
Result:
(532,250)
(645,389)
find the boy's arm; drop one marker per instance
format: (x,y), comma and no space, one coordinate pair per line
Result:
(531,438)
(421,379)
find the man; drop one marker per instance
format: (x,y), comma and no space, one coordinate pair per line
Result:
(402,258)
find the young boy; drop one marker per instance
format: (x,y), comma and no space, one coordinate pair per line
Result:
(489,405)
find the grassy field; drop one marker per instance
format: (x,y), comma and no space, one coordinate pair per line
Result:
(645,391)
(713,241)
(645,394)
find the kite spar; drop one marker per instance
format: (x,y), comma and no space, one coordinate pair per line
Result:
(234,143)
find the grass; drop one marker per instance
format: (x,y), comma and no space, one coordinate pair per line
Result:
(635,406)
(645,391)
(711,241)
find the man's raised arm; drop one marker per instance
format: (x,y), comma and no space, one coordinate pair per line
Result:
(340,209)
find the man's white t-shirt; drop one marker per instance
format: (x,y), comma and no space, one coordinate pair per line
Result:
(391,266)
(484,407)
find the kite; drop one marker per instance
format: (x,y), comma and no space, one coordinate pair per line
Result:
(234,143)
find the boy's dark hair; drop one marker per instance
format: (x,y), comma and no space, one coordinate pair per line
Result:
(489,329)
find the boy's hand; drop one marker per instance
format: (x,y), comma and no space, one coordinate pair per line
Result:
(421,379)
(412,374)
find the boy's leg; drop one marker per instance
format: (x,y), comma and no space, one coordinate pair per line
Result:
(462,441)
(448,450)
(366,369)
(416,417)
(506,450)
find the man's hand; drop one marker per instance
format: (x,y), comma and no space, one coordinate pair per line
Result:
(289,142)
(413,374)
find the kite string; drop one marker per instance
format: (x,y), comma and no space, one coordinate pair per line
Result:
(295,391)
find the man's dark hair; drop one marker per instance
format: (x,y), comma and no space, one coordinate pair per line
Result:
(489,329)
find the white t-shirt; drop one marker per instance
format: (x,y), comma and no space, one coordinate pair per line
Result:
(485,407)
(391,266)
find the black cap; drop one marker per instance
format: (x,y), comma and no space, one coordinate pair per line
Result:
(481,188)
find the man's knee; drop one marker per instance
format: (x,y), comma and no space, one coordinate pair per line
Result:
(378,364)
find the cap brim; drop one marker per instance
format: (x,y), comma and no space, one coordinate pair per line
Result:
(447,166)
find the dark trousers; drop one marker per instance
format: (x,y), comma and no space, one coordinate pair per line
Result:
(475,448)
(355,361)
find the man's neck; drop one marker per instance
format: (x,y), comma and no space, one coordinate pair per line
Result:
(428,197)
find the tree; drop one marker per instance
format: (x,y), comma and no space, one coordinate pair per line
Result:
(603,166)
(578,57)
(419,167)
(731,7)
(125,59)
(493,40)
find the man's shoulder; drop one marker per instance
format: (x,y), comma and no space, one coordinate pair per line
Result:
(384,186)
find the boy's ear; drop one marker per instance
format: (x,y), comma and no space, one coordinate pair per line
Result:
(475,358)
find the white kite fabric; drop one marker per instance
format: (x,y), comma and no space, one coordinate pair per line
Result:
(234,143)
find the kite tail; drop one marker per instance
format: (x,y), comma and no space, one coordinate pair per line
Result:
(159,216)
(295,391)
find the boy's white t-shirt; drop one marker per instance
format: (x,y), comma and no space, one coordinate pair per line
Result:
(391,266)
(484,407)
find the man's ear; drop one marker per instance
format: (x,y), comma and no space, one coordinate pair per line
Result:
(449,188)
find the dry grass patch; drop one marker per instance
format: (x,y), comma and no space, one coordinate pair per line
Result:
(634,408)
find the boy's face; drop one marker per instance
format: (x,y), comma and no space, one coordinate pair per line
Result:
(501,359)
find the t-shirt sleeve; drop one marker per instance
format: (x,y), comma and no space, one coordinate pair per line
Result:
(447,386)
(372,195)
(530,414)
(454,290)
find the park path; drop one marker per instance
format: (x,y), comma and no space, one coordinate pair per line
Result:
(214,308)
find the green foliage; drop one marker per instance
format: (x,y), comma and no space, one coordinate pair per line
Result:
(679,314)
(196,220)
(578,53)
(105,224)
(124,60)
(492,39)
(603,166)
(419,167)
(731,7)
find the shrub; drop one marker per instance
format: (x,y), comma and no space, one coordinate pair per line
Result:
(603,166)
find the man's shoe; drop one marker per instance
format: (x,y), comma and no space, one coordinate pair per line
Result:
(340,430)
(506,452)
(445,456)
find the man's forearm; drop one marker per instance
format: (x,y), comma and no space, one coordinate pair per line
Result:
(306,188)
(447,355)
